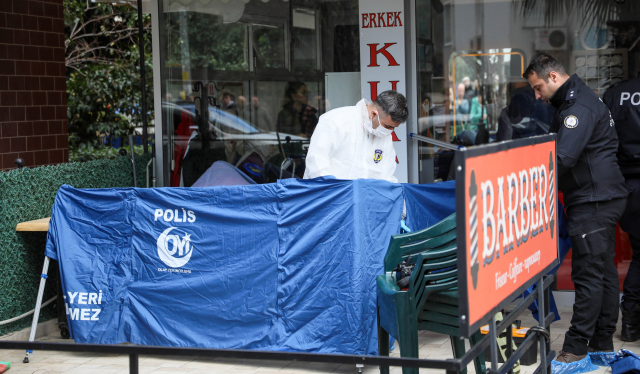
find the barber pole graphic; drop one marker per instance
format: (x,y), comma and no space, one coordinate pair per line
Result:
(473,223)
(552,197)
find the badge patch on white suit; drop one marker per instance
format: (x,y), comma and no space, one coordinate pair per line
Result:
(377,156)
(571,122)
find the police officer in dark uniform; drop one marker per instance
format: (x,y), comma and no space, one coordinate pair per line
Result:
(594,196)
(623,100)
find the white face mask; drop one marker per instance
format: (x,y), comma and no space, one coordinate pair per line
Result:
(379,131)
(426,108)
(368,125)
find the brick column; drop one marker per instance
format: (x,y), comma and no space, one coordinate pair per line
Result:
(33,93)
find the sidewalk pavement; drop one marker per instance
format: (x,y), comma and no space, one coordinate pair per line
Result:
(431,345)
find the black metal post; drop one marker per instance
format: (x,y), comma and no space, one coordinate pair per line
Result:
(143,101)
(133,364)
(541,323)
(509,344)
(546,313)
(133,161)
(493,343)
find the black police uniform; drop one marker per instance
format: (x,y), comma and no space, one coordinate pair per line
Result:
(623,100)
(595,197)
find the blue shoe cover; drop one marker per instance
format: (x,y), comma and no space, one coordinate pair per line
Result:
(602,358)
(582,366)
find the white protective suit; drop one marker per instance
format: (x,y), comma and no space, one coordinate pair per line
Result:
(340,146)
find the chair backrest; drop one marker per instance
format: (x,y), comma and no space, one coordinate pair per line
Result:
(436,236)
(435,270)
(434,251)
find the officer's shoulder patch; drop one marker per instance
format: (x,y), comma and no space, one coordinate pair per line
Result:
(572,94)
(571,122)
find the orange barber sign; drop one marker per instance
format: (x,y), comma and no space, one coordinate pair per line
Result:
(506,199)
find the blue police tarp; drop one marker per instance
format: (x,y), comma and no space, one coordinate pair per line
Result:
(286,266)
(625,362)
(428,204)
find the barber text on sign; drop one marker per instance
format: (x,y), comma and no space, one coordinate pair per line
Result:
(506,198)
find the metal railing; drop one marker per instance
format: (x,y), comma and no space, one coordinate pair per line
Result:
(451,366)
(433,141)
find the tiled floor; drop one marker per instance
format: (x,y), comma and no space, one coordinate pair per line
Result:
(431,345)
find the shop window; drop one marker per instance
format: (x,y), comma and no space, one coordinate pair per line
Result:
(448,21)
(261,69)
(201,40)
(268,46)
(478,50)
(305,35)
(347,49)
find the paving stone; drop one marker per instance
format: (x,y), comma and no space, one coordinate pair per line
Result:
(431,345)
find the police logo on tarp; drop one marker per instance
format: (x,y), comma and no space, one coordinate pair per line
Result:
(571,122)
(377,157)
(174,251)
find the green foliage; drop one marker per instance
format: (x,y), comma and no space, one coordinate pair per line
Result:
(103,71)
(205,41)
(89,154)
(97,104)
(270,46)
(27,195)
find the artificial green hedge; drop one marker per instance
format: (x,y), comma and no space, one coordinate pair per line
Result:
(28,194)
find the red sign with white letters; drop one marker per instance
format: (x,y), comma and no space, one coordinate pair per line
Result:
(507,223)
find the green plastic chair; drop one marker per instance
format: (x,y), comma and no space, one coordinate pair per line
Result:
(431,300)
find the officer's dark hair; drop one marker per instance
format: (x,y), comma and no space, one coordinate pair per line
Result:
(394,104)
(543,64)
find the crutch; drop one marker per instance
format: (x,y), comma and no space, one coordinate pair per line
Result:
(36,313)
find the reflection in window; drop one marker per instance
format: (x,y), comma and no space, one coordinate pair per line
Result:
(304,40)
(201,40)
(265,66)
(601,45)
(447,24)
(268,46)
(480,84)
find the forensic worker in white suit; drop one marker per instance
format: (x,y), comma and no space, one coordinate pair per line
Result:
(355,142)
